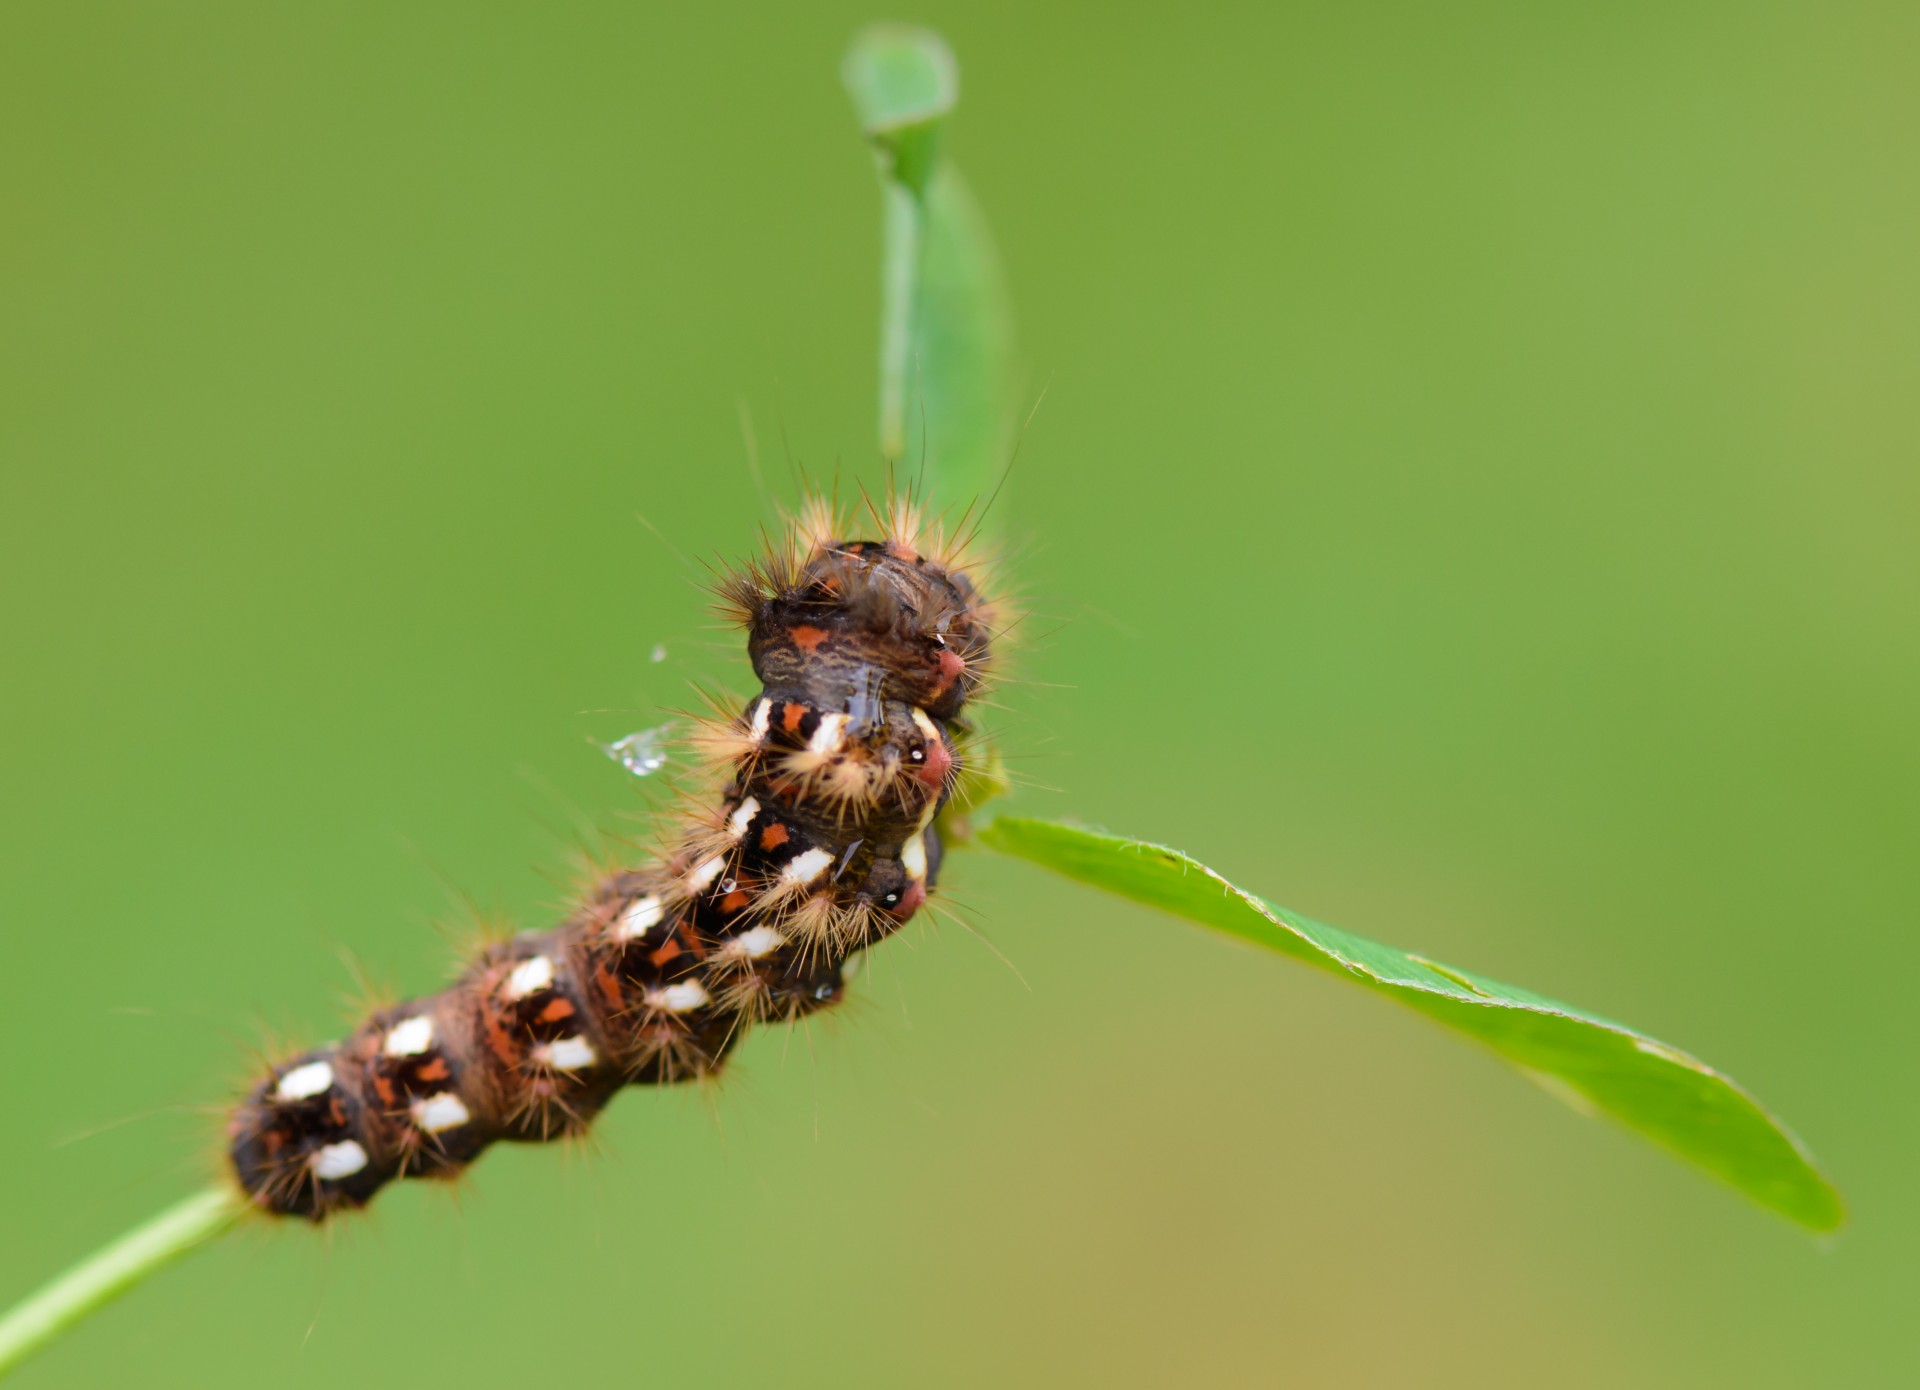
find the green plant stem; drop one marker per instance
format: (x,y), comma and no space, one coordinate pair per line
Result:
(113,1269)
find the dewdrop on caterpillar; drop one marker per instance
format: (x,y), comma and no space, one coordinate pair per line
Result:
(817,840)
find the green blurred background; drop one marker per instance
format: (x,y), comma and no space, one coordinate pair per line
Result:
(1475,502)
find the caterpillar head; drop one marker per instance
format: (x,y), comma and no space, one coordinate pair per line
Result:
(870,621)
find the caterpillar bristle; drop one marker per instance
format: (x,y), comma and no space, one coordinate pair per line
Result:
(811,530)
(806,835)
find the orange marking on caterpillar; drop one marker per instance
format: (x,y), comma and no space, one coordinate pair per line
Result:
(500,1042)
(807,637)
(613,994)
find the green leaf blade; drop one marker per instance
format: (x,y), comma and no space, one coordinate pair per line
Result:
(946,323)
(1658,1091)
(904,84)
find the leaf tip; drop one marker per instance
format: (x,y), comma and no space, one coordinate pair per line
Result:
(899,75)
(904,83)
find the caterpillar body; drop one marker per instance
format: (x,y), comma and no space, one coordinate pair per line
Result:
(819,842)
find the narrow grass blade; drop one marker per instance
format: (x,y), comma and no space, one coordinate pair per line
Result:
(945,324)
(1658,1091)
(110,1271)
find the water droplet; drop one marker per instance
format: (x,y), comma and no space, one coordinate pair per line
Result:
(643,753)
(659,652)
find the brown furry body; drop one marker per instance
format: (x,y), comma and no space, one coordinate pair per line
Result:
(823,843)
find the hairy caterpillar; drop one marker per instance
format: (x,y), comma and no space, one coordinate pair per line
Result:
(819,842)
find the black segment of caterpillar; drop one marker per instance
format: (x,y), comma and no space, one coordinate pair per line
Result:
(820,842)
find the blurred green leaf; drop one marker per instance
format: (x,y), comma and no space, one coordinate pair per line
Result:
(945,324)
(904,84)
(1593,1063)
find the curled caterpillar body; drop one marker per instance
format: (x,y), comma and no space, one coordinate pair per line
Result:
(823,843)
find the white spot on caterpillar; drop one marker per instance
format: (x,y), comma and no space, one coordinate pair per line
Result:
(831,734)
(702,878)
(913,858)
(762,718)
(409,1037)
(738,822)
(682,998)
(925,724)
(304,1082)
(805,868)
(753,943)
(337,1161)
(566,1054)
(440,1111)
(530,976)
(642,917)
